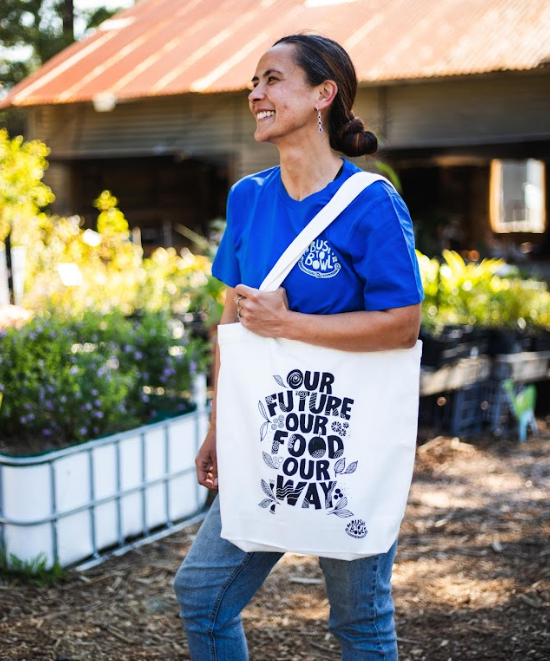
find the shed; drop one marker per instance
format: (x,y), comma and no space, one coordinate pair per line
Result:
(153,106)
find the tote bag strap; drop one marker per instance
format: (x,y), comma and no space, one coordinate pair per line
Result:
(347,192)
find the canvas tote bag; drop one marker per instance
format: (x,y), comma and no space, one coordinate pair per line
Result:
(315,445)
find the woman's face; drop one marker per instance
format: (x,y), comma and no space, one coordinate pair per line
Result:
(282,100)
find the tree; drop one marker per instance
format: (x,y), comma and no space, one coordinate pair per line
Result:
(39,29)
(22,192)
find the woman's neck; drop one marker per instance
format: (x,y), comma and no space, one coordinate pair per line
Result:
(307,171)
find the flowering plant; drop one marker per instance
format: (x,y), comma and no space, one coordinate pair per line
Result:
(66,380)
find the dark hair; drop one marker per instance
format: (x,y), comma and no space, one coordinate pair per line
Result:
(323,59)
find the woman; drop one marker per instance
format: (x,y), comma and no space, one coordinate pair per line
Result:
(357,289)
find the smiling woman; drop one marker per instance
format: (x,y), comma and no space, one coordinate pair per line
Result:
(355,288)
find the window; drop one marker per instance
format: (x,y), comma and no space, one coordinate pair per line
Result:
(518,201)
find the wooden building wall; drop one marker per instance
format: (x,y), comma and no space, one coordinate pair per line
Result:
(499,109)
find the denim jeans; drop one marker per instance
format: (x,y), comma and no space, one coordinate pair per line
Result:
(217,580)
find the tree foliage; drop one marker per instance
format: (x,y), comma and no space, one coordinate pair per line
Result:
(22,192)
(42,28)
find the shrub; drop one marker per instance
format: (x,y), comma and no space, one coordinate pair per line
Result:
(69,380)
(488,294)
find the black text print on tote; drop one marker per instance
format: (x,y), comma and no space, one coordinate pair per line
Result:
(307,425)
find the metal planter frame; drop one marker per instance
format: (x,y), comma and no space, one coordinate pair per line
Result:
(103,496)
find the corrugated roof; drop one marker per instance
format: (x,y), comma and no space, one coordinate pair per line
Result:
(165,47)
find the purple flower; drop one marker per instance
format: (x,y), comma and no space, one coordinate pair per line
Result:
(83,431)
(95,392)
(47,432)
(97,402)
(73,370)
(138,355)
(32,336)
(193,367)
(98,414)
(22,420)
(88,406)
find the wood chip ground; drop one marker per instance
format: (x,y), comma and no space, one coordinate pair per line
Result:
(471,580)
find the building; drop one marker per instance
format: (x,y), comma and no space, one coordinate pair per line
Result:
(153,106)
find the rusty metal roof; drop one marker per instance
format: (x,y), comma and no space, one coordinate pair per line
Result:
(165,47)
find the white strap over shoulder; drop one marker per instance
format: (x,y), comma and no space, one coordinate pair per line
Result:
(347,192)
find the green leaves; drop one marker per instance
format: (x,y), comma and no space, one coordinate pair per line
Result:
(22,193)
(65,380)
(487,293)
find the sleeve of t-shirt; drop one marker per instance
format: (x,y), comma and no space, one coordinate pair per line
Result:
(226,265)
(382,245)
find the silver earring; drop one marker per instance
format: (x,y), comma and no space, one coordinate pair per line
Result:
(319,121)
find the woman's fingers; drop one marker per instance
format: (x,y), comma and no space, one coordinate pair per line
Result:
(207,464)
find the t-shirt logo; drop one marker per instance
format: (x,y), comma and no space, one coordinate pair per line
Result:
(319,260)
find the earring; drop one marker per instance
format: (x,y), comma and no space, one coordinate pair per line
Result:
(319,121)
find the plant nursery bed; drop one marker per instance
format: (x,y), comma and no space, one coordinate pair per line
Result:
(471,580)
(79,502)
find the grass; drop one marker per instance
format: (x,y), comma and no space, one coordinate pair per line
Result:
(34,571)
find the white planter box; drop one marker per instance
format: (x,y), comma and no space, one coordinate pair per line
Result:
(74,503)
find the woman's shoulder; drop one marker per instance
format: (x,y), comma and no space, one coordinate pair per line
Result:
(379,205)
(254,183)
(379,191)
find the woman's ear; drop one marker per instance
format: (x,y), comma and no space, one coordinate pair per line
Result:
(327,91)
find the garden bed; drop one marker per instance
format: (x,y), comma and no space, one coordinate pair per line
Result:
(82,501)
(471,579)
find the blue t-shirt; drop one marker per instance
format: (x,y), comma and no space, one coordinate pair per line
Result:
(364,260)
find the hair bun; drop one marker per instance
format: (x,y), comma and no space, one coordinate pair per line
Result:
(352,139)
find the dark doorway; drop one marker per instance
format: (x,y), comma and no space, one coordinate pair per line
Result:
(156,194)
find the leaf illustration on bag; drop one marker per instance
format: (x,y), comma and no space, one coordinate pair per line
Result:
(342,514)
(262,410)
(328,499)
(339,465)
(351,468)
(341,503)
(269,461)
(263,430)
(265,503)
(279,380)
(267,490)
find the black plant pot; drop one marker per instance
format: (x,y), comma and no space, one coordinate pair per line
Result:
(504,340)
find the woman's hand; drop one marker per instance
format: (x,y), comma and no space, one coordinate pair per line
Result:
(268,314)
(207,462)
(263,313)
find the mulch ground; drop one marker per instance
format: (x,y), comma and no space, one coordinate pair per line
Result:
(471,580)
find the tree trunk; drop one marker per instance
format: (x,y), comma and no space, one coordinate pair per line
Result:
(68,20)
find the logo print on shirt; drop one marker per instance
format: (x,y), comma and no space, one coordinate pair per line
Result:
(319,260)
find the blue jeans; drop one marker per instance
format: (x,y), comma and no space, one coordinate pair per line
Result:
(217,580)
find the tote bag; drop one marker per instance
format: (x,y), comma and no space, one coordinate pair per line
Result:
(315,445)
